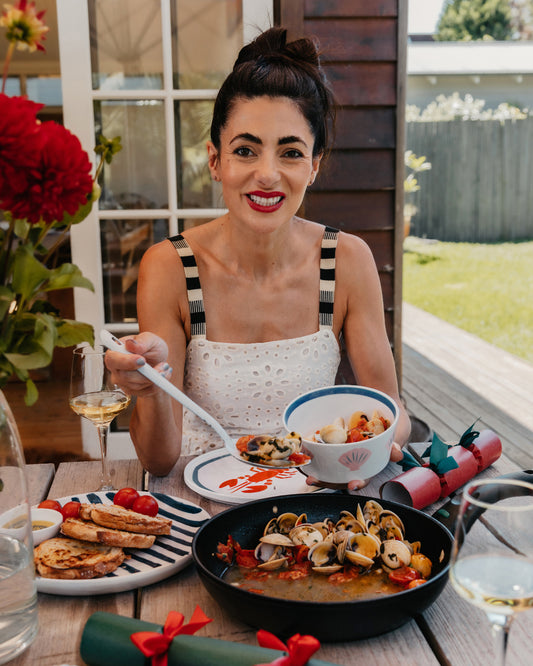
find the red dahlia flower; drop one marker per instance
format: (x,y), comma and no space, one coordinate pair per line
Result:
(60,183)
(19,144)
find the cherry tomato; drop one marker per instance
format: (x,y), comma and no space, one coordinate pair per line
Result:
(71,510)
(299,458)
(354,435)
(146,504)
(242,443)
(404,575)
(301,553)
(125,497)
(247,559)
(416,583)
(50,504)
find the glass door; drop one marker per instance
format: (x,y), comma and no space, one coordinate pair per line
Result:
(147,71)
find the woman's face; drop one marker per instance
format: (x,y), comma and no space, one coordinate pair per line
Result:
(265,161)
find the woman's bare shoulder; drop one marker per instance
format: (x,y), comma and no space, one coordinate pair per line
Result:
(353,250)
(162,251)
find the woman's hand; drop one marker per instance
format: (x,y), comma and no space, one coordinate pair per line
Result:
(396,455)
(145,348)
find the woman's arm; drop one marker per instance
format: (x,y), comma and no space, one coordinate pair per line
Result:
(362,322)
(156,421)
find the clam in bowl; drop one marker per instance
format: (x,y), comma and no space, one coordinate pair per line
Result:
(337,461)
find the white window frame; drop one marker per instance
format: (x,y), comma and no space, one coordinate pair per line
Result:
(78,116)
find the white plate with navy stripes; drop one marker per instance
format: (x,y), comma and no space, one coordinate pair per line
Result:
(169,554)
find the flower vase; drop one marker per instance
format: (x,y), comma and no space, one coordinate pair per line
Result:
(18,594)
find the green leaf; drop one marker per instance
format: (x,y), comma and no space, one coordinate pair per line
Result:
(36,350)
(71,333)
(28,273)
(31,393)
(108,147)
(66,276)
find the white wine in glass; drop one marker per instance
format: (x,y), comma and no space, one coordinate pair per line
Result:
(94,396)
(492,555)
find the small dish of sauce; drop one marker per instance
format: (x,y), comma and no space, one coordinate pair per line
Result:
(45,524)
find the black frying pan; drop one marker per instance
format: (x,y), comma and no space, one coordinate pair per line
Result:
(327,621)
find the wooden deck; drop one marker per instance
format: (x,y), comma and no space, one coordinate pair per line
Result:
(451,378)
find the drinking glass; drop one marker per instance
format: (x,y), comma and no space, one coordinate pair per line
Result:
(492,555)
(94,396)
(18,592)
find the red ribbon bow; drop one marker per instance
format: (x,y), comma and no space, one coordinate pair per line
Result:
(155,645)
(300,648)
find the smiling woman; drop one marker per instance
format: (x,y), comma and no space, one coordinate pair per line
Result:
(260,297)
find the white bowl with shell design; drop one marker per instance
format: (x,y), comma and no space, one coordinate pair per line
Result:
(331,412)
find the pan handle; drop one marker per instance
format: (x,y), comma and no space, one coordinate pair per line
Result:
(449,512)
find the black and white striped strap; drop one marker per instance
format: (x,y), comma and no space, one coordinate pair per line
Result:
(327,277)
(194,290)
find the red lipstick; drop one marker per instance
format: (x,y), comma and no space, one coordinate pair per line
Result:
(265,202)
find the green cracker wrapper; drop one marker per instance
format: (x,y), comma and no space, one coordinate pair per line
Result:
(106,640)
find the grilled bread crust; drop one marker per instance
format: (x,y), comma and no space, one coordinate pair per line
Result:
(89,531)
(74,559)
(119,518)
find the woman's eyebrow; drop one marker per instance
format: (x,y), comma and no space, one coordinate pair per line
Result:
(246,136)
(291,139)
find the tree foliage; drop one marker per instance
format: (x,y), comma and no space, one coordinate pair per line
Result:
(472,20)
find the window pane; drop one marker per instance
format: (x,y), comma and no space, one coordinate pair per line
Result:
(45,90)
(206,38)
(12,86)
(195,187)
(138,171)
(123,244)
(126,50)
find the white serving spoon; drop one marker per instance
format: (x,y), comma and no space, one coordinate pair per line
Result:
(113,343)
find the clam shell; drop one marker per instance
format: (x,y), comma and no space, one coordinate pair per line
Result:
(306,535)
(277,539)
(323,554)
(394,554)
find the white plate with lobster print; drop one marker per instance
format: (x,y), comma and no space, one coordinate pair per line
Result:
(219,476)
(169,554)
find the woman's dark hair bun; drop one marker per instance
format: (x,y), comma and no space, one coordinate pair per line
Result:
(272,45)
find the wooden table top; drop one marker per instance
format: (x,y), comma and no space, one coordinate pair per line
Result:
(451,631)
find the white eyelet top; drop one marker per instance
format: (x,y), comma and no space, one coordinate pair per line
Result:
(247,387)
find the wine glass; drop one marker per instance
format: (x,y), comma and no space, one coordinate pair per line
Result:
(492,555)
(94,396)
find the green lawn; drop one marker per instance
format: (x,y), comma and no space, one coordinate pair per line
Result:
(481,288)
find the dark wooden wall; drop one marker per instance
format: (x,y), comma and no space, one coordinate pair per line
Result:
(360,190)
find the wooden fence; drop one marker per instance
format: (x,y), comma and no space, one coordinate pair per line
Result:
(480,187)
